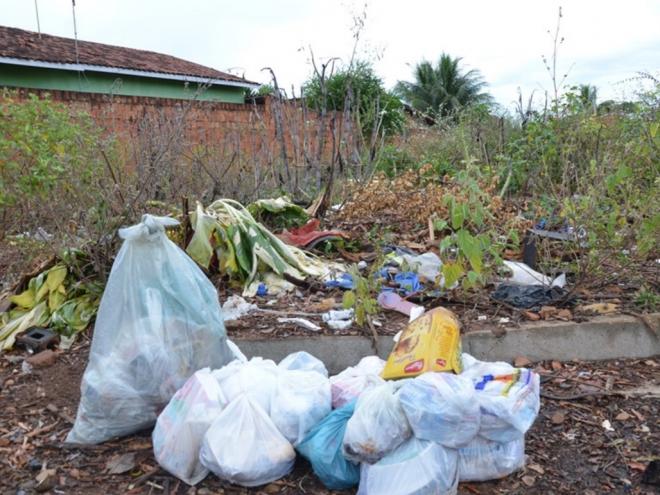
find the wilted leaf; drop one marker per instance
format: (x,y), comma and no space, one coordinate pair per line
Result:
(120,464)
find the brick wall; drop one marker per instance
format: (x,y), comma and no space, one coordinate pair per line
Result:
(245,129)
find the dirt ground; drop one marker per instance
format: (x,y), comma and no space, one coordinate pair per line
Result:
(570,449)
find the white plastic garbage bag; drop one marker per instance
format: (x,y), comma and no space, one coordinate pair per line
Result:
(378,425)
(159,321)
(508,397)
(302,399)
(523,274)
(416,467)
(441,407)
(303,361)
(256,378)
(354,380)
(243,446)
(181,426)
(483,460)
(428,265)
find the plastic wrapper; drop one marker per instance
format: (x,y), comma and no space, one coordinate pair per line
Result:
(180,428)
(236,352)
(244,447)
(351,382)
(159,321)
(483,460)
(378,426)
(441,407)
(416,467)
(256,378)
(303,361)
(431,342)
(322,447)
(508,397)
(302,399)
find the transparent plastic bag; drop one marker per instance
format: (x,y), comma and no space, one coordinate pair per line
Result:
(354,380)
(508,397)
(378,425)
(303,361)
(159,321)
(256,378)
(441,407)
(416,467)
(483,460)
(180,428)
(244,447)
(302,399)
(322,447)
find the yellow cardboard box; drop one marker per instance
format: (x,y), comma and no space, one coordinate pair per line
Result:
(431,342)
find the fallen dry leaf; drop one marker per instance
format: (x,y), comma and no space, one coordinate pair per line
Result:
(120,464)
(556,365)
(557,418)
(637,466)
(564,314)
(547,312)
(521,361)
(537,468)
(529,480)
(622,416)
(599,308)
(530,315)
(324,305)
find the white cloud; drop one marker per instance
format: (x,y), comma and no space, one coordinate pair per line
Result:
(605,41)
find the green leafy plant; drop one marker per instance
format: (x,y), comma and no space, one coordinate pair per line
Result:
(474,242)
(360,298)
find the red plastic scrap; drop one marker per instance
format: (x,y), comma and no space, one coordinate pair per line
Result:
(309,235)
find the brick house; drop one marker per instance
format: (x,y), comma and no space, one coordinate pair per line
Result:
(45,62)
(135,94)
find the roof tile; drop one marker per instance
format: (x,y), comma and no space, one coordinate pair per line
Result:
(18,43)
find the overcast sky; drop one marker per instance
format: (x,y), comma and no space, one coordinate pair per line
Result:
(606,41)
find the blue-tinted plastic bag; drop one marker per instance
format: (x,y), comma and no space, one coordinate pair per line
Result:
(322,447)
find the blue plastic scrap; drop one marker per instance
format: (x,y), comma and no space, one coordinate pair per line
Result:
(262,290)
(344,281)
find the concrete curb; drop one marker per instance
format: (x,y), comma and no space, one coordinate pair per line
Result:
(603,337)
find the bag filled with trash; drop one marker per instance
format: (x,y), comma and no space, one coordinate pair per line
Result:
(442,408)
(180,428)
(354,380)
(483,460)
(508,397)
(244,447)
(301,400)
(303,361)
(159,321)
(378,425)
(416,467)
(256,378)
(322,447)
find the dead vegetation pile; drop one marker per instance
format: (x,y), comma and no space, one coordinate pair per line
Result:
(410,204)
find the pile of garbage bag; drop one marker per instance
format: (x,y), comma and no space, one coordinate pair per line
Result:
(242,421)
(246,421)
(423,435)
(160,356)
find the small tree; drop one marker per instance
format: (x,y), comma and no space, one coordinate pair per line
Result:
(359,89)
(444,88)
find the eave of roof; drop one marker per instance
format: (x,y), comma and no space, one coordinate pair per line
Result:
(126,72)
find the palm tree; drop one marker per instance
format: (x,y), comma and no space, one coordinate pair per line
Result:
(588,96)
(443,89)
